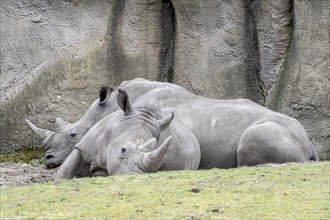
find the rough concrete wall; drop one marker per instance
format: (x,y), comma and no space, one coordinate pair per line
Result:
(273,52)
(203,40)
(273,30)
(35,33)
(134,40)
(53,61)
(213,49)
(303,88)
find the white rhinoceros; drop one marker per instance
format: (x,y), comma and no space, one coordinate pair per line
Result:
(59,144)
(231,133)
(136,139)
(235,132)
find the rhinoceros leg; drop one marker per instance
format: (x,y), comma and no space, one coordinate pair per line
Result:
(268,142)
(69,168)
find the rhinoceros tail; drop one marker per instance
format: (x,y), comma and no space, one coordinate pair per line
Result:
(314,157)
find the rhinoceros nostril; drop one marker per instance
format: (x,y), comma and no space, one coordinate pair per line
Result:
(49,156)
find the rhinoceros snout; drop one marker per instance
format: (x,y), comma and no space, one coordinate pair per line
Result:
(50,162)
(49,156)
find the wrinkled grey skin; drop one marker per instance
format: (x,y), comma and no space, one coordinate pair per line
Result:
(59,144)
(235,132)
(137,139)
(231,133)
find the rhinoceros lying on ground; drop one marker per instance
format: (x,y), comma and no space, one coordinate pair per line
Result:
(235,132)
(59,144)
(230,132)
(134,140)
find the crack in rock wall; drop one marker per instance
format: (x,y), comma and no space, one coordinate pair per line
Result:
(168,28)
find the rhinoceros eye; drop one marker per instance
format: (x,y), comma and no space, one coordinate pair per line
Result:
(123,153)
(73,135)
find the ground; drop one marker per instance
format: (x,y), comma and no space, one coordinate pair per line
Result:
(15,174)
(287,191)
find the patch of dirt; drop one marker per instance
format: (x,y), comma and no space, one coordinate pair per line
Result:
(14,174)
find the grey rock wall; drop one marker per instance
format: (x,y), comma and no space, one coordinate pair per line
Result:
(55,56)
(36,33)
(213,44)
(303,87)
(53,61)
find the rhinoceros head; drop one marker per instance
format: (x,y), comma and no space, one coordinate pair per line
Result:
(59,144)
(134,142)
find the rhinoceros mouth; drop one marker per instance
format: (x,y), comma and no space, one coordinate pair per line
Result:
(52,164)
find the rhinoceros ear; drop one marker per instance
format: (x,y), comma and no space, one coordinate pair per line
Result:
(105,93)
(152,160)
(124,102)
(42,134)
(163,123)
(60,123)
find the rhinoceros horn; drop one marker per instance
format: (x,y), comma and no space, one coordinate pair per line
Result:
(149,145)
(60,123)
(152,159)
(42,134)
(163,123)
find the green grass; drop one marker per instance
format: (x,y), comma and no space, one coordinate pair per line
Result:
(26,155)
(294,191)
